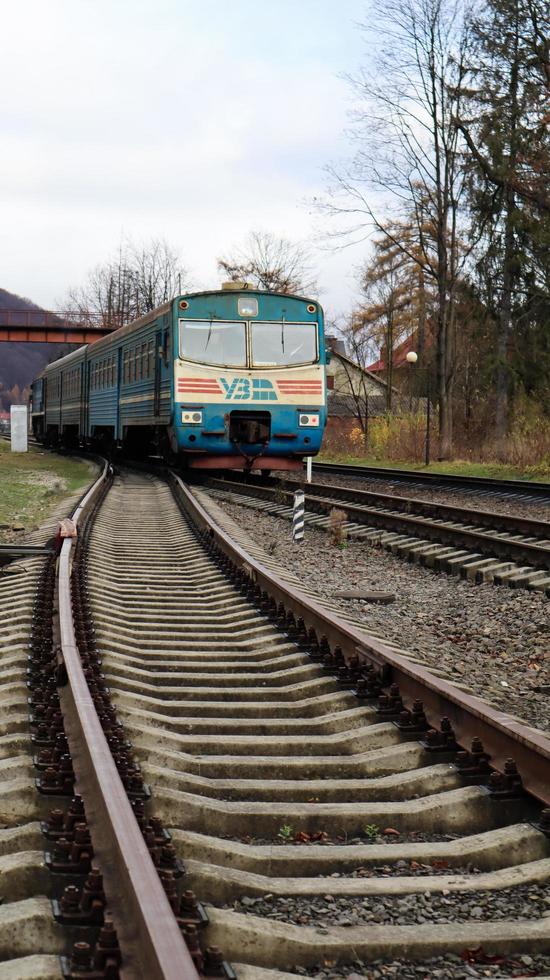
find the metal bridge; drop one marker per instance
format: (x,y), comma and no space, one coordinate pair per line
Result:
(52,327)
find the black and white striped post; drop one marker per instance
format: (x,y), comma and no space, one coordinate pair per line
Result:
(298,516)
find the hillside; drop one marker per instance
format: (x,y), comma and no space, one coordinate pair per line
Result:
(20,363)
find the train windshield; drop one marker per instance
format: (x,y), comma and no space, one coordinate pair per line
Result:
(281,343)
(221,342)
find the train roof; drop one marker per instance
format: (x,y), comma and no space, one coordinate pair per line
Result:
(63,362)
(142,321)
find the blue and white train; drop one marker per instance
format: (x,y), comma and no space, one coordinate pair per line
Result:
(231,379)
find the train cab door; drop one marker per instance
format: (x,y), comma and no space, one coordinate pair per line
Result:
(158,357)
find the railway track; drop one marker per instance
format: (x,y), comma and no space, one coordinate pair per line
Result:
(274,778)
(523,490)
(300,819)
(476,544)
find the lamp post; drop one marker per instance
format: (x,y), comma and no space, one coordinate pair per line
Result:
(412,358)
(427,455)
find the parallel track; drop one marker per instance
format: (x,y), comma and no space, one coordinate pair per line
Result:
(480,544)
(237,693)
(478,485)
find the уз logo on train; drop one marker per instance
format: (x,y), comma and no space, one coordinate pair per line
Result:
(245,389)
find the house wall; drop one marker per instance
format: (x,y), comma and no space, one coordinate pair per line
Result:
(342,373)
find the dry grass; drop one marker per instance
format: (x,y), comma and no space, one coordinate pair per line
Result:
(337,530)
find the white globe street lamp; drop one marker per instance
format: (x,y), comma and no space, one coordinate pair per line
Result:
(412,358)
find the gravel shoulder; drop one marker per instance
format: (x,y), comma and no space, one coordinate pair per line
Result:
(491,639)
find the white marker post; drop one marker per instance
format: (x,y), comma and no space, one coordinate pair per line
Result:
(309,468)
(298,516)
(18,419)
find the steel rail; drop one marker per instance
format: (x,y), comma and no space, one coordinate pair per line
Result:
(151,942)
(493,485)
(479,540)
(504,736)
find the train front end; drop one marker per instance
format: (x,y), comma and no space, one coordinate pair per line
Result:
(249,379)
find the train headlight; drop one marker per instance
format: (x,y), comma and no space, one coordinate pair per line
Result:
(247,306)
(308,419)
(191,418)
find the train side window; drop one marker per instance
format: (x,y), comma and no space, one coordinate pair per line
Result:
(151,357)
(144,361)
(132,365)
(138,363)
(125,367)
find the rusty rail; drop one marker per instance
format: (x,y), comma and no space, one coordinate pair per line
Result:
(503,735)
(151,942)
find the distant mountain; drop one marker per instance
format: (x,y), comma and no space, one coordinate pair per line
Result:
(21,362)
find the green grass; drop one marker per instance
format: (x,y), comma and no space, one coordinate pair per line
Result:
(456,467)
(32,484)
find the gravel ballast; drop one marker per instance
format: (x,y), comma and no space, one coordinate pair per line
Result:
(389,836)
(491,639)
(473,963)
(520,903)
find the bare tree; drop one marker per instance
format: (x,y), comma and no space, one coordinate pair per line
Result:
(275,264)
(410,148)
(140,278)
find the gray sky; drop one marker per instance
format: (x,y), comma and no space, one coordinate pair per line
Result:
(192,120)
